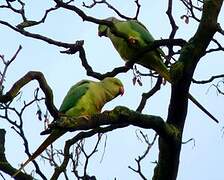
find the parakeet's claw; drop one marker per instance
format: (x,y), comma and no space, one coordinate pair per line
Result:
(137,76)
(85,117)
(132,40)
(164,81)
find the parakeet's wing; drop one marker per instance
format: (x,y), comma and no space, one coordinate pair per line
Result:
(74,95)
(135,29)
(141,30)
(143,34)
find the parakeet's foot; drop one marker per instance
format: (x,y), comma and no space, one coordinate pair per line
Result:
(85,117)
(137,76)
(164,81)
(132,40)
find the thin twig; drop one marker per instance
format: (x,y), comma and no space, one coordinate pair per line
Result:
(212,78)
(7,64)
(146,96)
(142,157)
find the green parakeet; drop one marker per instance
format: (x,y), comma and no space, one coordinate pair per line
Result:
(131,36)
(134,36)
(83,99)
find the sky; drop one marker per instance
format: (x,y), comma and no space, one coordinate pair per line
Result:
(201,159)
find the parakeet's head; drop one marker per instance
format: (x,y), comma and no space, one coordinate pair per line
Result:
(103,29)
(114,86)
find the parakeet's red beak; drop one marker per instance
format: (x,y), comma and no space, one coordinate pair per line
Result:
(121,90)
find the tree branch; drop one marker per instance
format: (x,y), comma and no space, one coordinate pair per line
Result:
(7,63)
(4,164)
(37,36)
(119,116)
(208,80)
(142,157)
(94,3)
(146,96)
(97,75)
(172,21)
(32,75)
(190,55)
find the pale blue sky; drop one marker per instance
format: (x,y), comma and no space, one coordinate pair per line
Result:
(202,161)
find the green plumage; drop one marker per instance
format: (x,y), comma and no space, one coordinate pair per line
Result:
(83,99)
(134,37)
(129,37)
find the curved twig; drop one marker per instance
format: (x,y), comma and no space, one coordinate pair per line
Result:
(32,75)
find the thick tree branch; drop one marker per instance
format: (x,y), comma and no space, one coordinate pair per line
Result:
(119,116)
(191,53)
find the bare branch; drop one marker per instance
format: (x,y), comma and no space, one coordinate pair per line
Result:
(146,96)
(87,156)
(173,31)
(4,164)
(217,86)
(78,47)
(138,9)
(81,13)
(172,21)
(220,30)
(142,157)
(11,94)
(208,80)
(190,10)
(95,2)
(7,63)
(21,12)
(37,36)
(219,47)
(18,127)
(99,76)
(189,140)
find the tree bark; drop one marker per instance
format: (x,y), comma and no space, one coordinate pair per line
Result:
(191,53)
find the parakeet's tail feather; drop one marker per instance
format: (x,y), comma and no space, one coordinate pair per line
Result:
(50,139)
(46,131)
(202,108)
